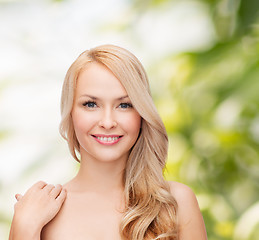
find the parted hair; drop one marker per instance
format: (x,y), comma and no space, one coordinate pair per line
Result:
(150,211)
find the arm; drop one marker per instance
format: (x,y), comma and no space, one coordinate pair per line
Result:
(190,219)
(35,209)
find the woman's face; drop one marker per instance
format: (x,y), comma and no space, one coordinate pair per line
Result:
(105,122)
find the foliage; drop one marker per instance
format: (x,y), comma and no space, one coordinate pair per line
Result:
(210,106)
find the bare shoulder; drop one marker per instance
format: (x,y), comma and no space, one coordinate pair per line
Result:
(189,215)
(184,196)
(181,191)
(187,202)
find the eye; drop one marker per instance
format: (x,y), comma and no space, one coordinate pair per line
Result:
(125,105)
(90,104)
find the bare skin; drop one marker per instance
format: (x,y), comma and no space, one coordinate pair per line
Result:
(91,215)
(191,222)
(91,211)
(35,209)
(90,206)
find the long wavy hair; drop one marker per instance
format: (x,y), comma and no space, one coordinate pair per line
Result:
(150,209)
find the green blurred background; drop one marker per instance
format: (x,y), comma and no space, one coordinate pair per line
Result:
(202,58)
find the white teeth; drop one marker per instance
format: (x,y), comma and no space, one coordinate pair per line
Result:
(107,139)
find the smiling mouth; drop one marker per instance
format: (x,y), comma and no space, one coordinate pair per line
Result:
(107,140)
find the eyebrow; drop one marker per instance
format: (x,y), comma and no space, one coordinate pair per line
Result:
(96,98)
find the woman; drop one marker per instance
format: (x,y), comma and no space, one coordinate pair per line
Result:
(113,129)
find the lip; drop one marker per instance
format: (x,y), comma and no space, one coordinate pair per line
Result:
(107,143)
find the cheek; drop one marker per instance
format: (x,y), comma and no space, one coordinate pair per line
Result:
(132,123)
(77,120)
(81,120)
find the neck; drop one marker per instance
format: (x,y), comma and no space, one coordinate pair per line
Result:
(99,176)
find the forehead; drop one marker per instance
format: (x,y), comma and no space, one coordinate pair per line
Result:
(97,79)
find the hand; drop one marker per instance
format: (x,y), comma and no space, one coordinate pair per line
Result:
(36,208)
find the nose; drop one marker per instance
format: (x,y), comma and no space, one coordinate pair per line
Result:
(107,120)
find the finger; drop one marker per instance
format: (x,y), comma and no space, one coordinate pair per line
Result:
(48,188)
(18,197)
(56,191)
(62,196)
(39,185)
(35,187)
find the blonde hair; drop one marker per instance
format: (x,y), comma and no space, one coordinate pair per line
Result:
(151,211)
